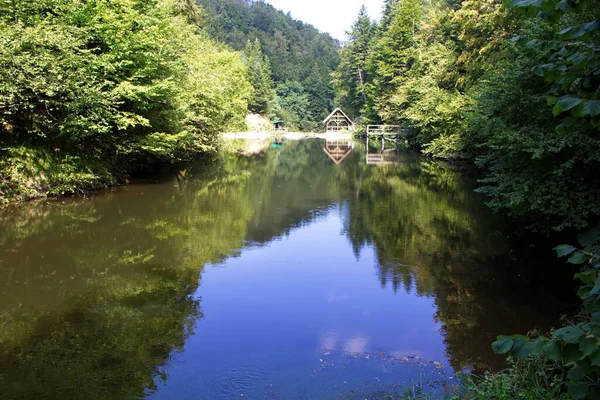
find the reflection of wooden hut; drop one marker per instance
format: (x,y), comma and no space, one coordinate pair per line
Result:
(338,150)
(338,121)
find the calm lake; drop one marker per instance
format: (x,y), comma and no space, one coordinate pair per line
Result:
(300,270)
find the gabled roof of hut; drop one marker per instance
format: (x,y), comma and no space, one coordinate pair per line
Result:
(335,112)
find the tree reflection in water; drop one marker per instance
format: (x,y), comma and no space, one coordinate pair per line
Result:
(96,295)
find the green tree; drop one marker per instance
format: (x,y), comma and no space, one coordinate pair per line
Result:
(392,56)
(297,52)
(96,86)
(259,75)
(350,79)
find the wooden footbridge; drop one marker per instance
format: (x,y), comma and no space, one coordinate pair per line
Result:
(389,133)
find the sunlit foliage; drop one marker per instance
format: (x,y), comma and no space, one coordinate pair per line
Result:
(118,83)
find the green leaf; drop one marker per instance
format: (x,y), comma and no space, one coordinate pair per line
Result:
(566,30)
(578,390)
(587,277)
(595,358)
(538,70)
(525,3)
(596,289)
(591,107)
(502,345)
(571,353)
(596,318)
(574,32)
(575,373)
(535,348)
(552,350)
(565,103)
(564,250)
(577,258)
(519,350)
(588,345)
(570,334)
(563,5)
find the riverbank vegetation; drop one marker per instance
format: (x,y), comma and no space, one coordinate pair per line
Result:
(91,91)
(511,91)
(119,85)
(512,88)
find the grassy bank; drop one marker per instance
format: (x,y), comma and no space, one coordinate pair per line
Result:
(531,379)
(28,173)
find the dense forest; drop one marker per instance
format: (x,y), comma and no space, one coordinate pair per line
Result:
(300,58)
(93,91)
(514,89)
(515,92)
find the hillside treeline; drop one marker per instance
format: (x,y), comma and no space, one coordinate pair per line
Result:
(512,88)
(300,59)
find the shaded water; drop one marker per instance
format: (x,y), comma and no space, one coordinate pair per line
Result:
(302,271)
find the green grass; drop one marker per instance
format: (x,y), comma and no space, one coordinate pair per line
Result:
(531,379)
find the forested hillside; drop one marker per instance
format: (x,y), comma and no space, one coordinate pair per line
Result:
(513,89)
(301,58)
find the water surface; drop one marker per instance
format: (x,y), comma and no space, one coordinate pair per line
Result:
(300,270)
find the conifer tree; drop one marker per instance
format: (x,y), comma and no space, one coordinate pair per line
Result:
(259,74)
(351,76)
(392,55)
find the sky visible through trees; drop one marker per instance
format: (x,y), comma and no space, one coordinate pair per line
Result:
(318,13)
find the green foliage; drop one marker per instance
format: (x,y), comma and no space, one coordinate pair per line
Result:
(464,89)
(572,60)
(259,73)
(299,56)
(392,57)
(27,173)
(576,346)
(350,78)
(129,81)
(524,379)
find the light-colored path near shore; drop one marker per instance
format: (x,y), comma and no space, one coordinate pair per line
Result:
(287,135)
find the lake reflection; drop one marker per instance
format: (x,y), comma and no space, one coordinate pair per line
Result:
(282,273)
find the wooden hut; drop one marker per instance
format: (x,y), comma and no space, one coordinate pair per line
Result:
(338,121)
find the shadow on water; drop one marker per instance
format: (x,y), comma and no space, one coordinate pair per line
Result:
(99,297)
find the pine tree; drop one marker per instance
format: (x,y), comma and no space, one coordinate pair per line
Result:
(392,55)
(351,76)
(386,18)
(259,75)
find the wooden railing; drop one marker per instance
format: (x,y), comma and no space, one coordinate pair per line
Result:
(384,129)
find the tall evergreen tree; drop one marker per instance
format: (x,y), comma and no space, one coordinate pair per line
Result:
(386,18)
(259,74)
(393,55)
(351,77)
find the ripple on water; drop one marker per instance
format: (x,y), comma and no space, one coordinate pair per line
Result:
(335,375)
